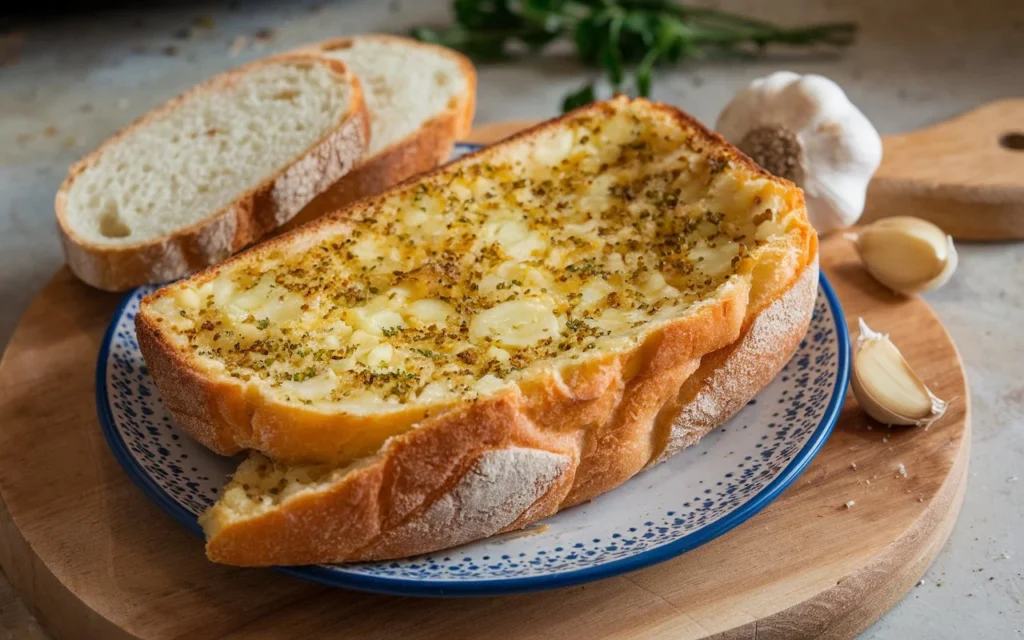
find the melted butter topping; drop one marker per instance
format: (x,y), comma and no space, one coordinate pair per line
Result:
(473,278)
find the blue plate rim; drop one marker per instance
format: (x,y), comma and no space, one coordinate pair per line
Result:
(439,588)
(505,586)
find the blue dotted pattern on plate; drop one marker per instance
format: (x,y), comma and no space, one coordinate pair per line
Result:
(693,497)
(794,404)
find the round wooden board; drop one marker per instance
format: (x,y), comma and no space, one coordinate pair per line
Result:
(93,558)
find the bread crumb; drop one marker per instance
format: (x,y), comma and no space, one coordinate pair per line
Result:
(238,45)
(853,465)
(849,504)
(885,440)
(901,471)
(50,131)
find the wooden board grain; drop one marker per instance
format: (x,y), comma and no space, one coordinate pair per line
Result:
(965,175)
(94,558)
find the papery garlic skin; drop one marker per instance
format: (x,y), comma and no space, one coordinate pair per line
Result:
(885,386)
(908,255)
(837,148)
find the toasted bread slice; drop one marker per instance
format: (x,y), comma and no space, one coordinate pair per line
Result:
(479,347)
(209,172)
(420,98)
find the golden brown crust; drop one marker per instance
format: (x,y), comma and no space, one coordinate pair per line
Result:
(729,378)
(427,489)
(424,149)
(228,421)
(453,478)
(266,206)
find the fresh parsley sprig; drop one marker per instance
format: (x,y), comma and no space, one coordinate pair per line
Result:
(616,35)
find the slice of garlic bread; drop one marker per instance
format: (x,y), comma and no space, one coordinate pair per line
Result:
(479,347)
(420,98)
(209,172)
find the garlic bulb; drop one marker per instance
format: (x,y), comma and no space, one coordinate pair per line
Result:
(906,254)
(805,129)
(886,387)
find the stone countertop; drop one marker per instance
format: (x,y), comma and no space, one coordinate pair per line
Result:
(67,85)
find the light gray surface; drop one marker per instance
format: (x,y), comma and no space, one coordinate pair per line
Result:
(915,62)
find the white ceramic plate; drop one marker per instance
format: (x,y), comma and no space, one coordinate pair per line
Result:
(692,498)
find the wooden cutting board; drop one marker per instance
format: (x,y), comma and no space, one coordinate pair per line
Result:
(93,558)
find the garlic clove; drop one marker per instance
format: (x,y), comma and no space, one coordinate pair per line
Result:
(906,254)
(885,386)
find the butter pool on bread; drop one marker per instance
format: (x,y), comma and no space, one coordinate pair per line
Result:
(486,344)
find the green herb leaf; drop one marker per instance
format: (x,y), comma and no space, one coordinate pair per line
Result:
(610,55)
(613,35)
(582,96)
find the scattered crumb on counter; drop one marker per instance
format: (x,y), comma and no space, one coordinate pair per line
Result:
(238,45)
(50,131)
(849,504)
(853,465)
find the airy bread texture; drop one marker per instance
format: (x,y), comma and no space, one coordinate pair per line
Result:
(209,172)
(420,98)
(476,349)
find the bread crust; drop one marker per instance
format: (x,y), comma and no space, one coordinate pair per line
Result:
(454,477)
(262,208)
(422,150)
(221,414)
(452,481)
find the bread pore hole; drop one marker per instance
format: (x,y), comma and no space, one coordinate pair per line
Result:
(111,223)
